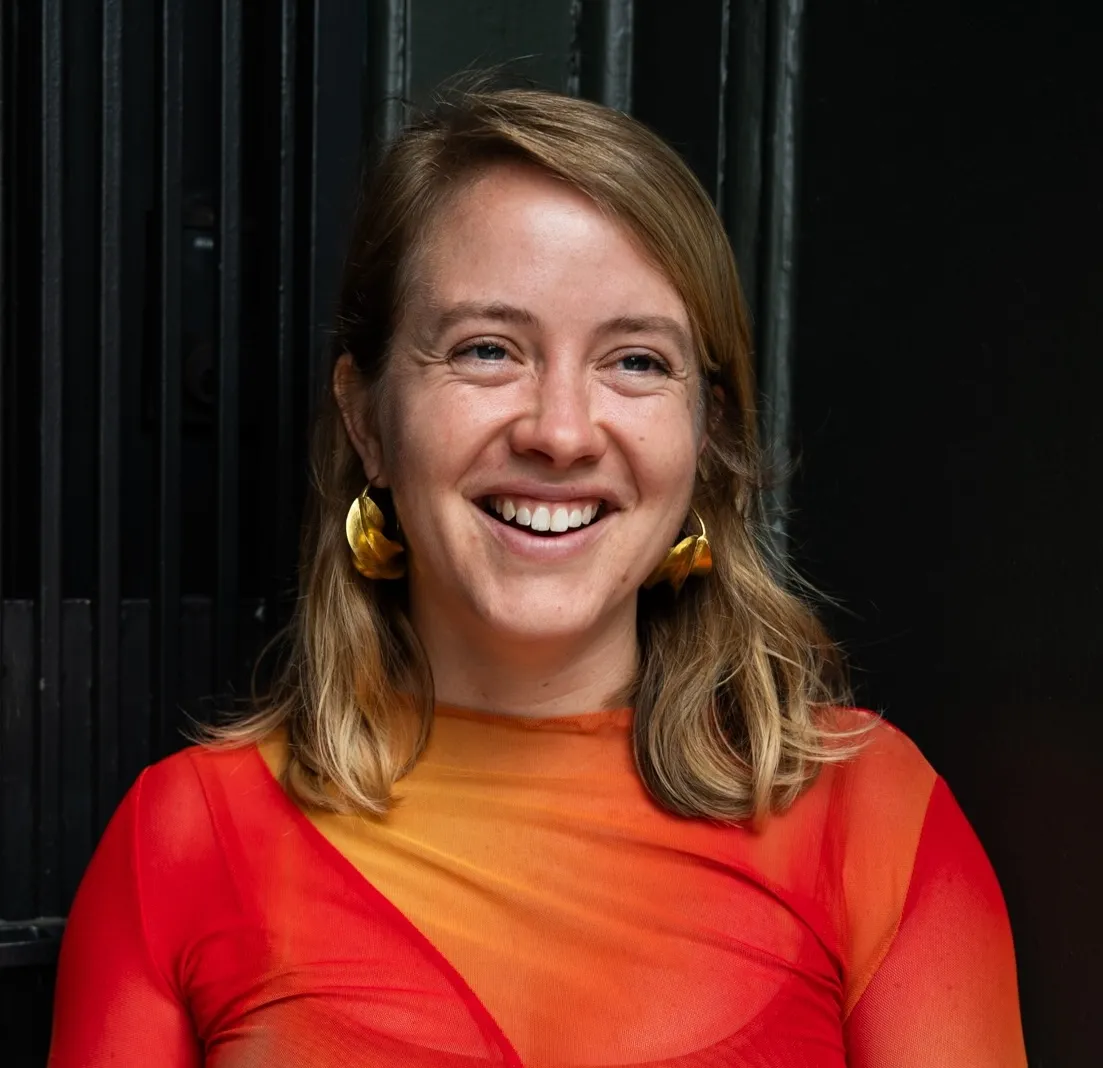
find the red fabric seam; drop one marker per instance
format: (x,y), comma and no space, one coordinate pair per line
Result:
(859,988)
(170,987)
(486,1023)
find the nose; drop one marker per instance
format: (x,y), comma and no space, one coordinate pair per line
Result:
(559,423)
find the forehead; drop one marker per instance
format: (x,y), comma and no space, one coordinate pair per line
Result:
(518,235)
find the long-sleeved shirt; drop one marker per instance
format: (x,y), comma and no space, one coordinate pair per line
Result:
(527,902)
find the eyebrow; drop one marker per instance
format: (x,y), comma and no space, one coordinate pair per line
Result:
(649,324)
(496,311)
(508,313)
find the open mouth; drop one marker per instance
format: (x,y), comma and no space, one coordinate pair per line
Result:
(545,518)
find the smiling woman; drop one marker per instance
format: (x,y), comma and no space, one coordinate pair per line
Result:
(570,389)
(559,770)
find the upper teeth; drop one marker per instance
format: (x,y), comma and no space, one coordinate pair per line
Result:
(553,517)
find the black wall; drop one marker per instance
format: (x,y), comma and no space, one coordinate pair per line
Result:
(950,370)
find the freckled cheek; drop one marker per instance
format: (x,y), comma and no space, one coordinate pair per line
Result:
(436,442)
(664,459)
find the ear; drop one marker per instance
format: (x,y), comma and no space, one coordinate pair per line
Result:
(352,400)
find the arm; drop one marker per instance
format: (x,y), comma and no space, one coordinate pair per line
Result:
(945,994)
(112,1005)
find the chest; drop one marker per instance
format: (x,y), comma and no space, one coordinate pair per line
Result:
(508,929)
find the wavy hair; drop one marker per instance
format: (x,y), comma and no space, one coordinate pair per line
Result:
(737,676)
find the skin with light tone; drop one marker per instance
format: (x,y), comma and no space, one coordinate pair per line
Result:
(542,372)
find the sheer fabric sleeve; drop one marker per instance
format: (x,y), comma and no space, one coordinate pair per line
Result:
(113,1005)
(945,994)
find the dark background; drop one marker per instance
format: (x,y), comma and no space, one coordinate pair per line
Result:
(933,361)
(950,369)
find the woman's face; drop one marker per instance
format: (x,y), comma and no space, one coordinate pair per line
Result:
(538,426)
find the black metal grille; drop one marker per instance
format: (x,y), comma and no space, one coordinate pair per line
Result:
(175,184)
(171,226)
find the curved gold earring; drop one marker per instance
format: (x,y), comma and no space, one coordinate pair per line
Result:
(373,554)
(691,556)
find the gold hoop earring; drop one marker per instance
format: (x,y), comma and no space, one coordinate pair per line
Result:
(691,556)
(373,554)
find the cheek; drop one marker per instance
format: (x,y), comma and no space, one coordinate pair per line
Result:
(662,448)
(434,440)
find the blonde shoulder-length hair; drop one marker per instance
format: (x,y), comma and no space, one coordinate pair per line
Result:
(736,676)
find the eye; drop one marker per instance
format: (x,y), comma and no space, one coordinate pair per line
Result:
(484,351)
(642,363)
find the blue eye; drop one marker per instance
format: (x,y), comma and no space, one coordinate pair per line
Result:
(640,362)
(486,351)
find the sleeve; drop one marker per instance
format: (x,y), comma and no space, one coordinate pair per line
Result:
(113,1005)
(945,994)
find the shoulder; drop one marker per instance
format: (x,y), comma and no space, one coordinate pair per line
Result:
(170,784)
(177,788)
(179,806)
(887,766)
(878,807)
(185,846)
(908,857)
(879,796)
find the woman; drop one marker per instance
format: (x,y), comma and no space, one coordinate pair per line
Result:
(536,787)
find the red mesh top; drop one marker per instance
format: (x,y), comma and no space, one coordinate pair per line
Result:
(528,903)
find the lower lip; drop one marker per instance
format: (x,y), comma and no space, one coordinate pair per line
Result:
(543,547)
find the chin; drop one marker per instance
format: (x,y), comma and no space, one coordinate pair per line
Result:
(532,615)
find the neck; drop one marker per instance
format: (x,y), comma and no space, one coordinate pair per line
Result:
(564,676)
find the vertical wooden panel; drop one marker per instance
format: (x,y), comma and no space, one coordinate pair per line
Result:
(79,312)
(5,238)
(606,49)
(135,688)
(17,761)
(168,562)
(315,299)
(229,347)
(739,196)
(287,349)
(779,252)
(50,424)
(337,128)
(723,95)
(573,84)
(76,746)
(616,89)
(197,655)
(393,63)
(110,416)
